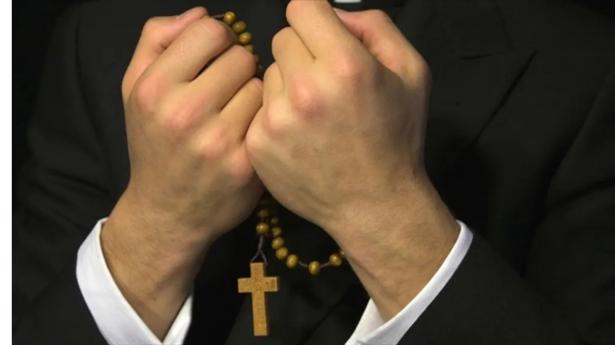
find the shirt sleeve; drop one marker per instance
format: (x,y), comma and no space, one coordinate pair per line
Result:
(372,330)
(118,322)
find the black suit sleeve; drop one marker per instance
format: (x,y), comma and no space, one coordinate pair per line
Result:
(566,295)
(62,195)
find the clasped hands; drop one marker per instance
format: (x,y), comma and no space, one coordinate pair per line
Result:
(334,131)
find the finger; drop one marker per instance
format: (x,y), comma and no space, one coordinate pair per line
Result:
(290,53)
(273,84)
(319,27)
(158,34)
(225,76)
(197,46)
(380,36)
(242,108)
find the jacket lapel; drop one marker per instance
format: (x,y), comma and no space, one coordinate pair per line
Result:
(474,67)
(467,94)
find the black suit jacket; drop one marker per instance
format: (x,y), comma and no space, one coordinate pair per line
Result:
(520,144)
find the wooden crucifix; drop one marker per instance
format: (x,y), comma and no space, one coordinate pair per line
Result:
(258,284)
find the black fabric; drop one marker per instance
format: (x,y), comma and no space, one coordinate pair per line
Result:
(519,144)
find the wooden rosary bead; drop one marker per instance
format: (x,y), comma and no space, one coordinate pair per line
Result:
(281,253)
(292,261)
(276,231)
(335,260)
(269,226)
(245,38)
(239,27)
(263,213)
(277,243)
(229,18)
(314,268)
(262,228)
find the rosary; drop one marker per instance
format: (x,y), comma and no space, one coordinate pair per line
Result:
(268,227)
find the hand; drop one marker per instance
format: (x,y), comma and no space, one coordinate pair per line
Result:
(189,97)
(339,141)
(343,117)
(186,128)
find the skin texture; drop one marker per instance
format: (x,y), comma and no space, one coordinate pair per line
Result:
(339,141)
(191,180)
(335,132)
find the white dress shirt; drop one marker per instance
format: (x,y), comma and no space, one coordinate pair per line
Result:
(121,325)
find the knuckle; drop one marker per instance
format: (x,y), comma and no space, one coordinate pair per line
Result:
(152,27)
(218,35)
(146,93)
(180,121)
(304,97)
(255,85)
(279,38)
(243,59)
(348,67)
(125,88)
(270,72)
(397,66)
(275,120)
(254,89)
(420,73)
(240,170)
(214,144)
(424,73)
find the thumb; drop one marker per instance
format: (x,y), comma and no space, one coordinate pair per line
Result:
(380,36)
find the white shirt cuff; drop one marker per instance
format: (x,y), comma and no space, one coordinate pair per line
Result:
(372,330)
(118,322)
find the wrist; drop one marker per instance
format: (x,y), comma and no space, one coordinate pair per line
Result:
(396,243)
(165,225)
(154,273)
(137,231)
(409,206)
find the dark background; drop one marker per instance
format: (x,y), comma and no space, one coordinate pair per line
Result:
(33,21)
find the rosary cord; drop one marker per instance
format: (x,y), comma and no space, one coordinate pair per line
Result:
(267,225)
(260,251)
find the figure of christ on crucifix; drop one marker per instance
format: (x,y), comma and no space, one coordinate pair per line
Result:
(258,285)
